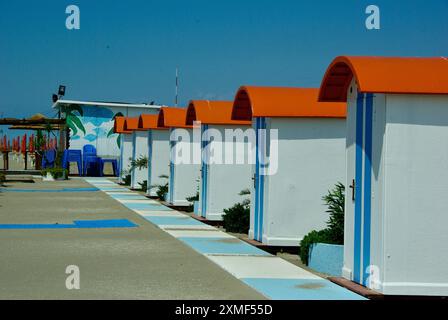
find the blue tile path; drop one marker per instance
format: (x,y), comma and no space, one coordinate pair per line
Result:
(272,276)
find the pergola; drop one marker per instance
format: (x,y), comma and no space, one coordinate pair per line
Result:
(37,122)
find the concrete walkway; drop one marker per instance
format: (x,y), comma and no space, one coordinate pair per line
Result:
(272,276)
(120,254)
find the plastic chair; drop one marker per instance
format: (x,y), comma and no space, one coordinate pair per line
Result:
(72,156)
(49,159)
(92,163)
(114,163)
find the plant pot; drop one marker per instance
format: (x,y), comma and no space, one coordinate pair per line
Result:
(326,258)
(196,208)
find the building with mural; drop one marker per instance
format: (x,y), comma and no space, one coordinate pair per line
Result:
(92,122)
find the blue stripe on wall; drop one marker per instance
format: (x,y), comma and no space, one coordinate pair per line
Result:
(367,185)
(134,147)
(257,175)
(358,187)
(149,183)
(204,172)
(171,184)
(261,182)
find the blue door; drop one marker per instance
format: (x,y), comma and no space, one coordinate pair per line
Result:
(362,188)
(260,146)
(204,170)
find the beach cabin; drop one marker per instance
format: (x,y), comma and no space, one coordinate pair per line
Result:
(299,156)
(125,144)
(139,151)
(185,155)
(158,151)
(92,122)
(396,221)
(225,171)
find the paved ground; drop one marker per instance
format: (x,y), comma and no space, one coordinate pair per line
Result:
(115,263)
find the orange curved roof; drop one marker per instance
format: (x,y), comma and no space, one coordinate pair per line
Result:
(384,75)
(252,102)
(172,118)
(131,124)
(149,121)
(212,112)
(119,125)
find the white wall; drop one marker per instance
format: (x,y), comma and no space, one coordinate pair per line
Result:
(311,161)
(416,204)
(141,150)
(126,153)
(160,159)
(186,175)
(225,181)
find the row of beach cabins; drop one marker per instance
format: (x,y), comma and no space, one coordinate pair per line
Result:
(379,125)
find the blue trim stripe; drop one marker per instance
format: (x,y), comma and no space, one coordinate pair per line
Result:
(171,184)
(261,182)
(358,187)
(300,289)
(134,147)
(257,175)
(204,172)
(149,183)
(78,224)
(367,185)
(229,246)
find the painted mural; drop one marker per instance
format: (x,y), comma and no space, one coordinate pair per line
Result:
(93,125)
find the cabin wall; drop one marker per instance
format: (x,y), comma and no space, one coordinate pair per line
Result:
(140,141)
(416,205)
(127,148)
(160,158)
(222,195)
(311,160)
(185,180)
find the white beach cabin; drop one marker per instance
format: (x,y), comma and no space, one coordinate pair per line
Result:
(396,214)
(158,152)
(139,151)
(125,143)
(300,156)
(185,156)
(225,170)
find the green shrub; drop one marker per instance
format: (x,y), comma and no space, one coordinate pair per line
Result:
(140,163)
(334,233)
(192,199)
(144,185)
(127,180)
(162,189)
(57,173)
(237,218)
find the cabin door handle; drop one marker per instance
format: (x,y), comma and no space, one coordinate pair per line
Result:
(254,177)
(353,186)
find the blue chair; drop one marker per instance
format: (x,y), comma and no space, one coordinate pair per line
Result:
(48,159)
(92,164)
(72,156)
(90,159)
(114,163)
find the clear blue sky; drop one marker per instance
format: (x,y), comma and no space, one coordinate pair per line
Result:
(128,50)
